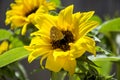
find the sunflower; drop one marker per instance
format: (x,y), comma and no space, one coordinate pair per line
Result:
(62,39)
(23,12)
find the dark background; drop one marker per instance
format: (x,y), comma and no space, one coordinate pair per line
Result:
(102,8)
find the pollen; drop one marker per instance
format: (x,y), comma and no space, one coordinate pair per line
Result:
(63,43)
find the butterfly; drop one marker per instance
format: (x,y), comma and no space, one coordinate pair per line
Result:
(56,34)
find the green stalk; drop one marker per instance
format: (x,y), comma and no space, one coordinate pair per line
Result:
(112,41)
(58,75)
(118,70)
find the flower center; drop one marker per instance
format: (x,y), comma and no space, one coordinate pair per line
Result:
(32,11)
(63,43)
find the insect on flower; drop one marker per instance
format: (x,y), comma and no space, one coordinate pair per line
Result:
(56,34)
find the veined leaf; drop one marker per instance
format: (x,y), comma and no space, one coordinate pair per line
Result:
(12,56)
(110,26)
(4,34)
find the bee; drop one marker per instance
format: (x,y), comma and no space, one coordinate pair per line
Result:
(56,34)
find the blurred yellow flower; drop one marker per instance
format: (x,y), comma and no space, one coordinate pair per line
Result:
(4,46)
(23,12)
(61,39)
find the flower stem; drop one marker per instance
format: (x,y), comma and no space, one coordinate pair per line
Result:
(58,75)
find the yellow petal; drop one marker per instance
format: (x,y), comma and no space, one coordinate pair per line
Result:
(29,48)
(54,64)
(77,51)
(75,25)
(44,57)
(40,40)
(70,65)
(38,47)
(24,29)
(18,20)
(51,6)
(65,17)
(35,3)
(36,53)
(85,16)
(42,9)
(58,53)
(28,4)
(89,45)
(84,29)
(45,21)
(18,1)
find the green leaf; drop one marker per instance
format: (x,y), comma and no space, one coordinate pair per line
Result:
(4,34)
(103,51)
(91,62)
(12,56)
(74,77)
(104,58)
(57,2)
(16,42)
(96,18)
(105,67)
(110,26)
(104,63)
